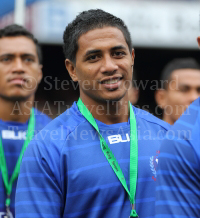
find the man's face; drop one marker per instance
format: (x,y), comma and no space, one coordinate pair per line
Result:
(20,71)
(103,65)
(183,89)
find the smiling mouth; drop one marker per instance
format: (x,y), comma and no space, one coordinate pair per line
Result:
(111,81)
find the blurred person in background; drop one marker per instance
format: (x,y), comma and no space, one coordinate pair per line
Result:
(88,168)
(180,86)
(198,40)
(133,92)
(20,74)
(178,182)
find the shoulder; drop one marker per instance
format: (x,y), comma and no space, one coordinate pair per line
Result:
(185,132)
(188,122)
(146,117)
(58,129)
(41,118)
(190,117)
(181,142)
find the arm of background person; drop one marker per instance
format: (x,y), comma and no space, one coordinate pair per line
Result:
(178,181)
(39,191)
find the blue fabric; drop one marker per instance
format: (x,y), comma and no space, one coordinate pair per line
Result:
(64,172)
(13,135)
(178,186)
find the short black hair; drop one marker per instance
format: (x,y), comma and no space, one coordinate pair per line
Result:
(177,64)
(17,30)
(86,21)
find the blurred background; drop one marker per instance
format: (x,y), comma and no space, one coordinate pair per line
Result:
(161,31)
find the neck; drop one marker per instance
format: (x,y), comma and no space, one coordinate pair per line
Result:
(168,119)
(18,111)
(108,112)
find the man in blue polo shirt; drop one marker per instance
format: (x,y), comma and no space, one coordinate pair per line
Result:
(178,184)
(99,158)
(20,74)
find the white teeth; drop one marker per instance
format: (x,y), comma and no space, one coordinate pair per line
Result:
(112,81)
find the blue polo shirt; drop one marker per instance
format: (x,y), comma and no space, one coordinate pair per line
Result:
(178,185)
(64,172)
(13,135)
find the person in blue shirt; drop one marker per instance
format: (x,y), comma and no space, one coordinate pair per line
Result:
(178,184)
(98,158)
(20,74)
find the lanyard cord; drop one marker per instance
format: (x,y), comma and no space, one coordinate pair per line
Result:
(111,158)
(8,184)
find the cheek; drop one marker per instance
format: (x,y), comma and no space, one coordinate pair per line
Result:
(126,66)
(33,69)
(178,103)
(3,78)
(175,97)
(87,73)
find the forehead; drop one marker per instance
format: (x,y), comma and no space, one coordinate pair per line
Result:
(189,77)
(17,45)
(101,38)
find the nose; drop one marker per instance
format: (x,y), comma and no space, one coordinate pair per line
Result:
(109,65)
(18,66)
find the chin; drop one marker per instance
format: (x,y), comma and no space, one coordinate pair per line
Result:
(15,98)
(117,96)
(114,98)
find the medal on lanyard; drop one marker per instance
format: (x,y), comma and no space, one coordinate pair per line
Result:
(111,158)
(8,184)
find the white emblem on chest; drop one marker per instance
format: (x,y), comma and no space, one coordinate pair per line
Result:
(118,138)
(3,215)
(9,134)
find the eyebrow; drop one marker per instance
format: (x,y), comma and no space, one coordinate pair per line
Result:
(30,55)
(23,55)
(118,47)
(186,85)
(89,52)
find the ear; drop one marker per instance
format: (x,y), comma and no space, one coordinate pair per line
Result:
(160,97)
(133,56)
(40,74)
(198,40)
(71,69)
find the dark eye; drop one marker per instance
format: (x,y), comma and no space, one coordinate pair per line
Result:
(28,60)
(6,59)
(93,58)
(119,54)
(184,89)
